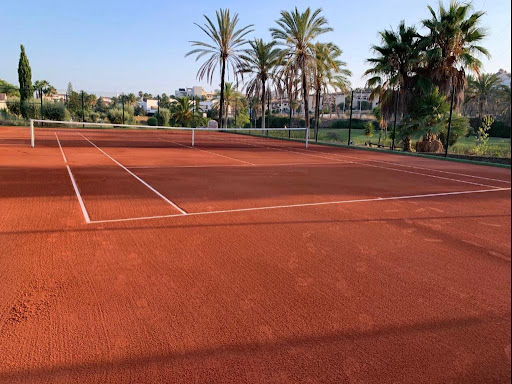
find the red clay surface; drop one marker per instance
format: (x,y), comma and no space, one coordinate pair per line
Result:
(396,290)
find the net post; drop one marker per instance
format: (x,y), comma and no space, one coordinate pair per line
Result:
(307,138)
(193,137)
(32,138)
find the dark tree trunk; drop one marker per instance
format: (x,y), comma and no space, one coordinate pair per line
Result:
(305,97)
(317,112)
(263,101)
(222,84)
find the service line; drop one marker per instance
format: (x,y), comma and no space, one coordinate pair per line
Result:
(378,199)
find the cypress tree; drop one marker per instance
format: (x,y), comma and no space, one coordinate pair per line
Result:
(25,79)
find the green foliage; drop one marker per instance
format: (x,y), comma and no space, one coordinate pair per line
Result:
(369,129)
(483,130)
(163,116)
(9,89)
(139,110)
(25,79)
(460,127)
(14,106)
(498,128)
(153,121)
(55,111)
(115,115)
(356,124)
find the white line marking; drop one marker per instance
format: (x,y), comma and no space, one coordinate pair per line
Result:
(416,167)
(306,205)
(204,150)
(490,225)
(137,177)
(391,169)
(80,201)
(61,150)
(227,165)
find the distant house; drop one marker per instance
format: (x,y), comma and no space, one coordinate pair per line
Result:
(196,92)
(504,76)
(106,100)
(3,100)
(149,105)
(60,97)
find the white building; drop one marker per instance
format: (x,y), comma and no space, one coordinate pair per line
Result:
(3,101)
(504,76)
(196,91)
(149,105)
(60,97)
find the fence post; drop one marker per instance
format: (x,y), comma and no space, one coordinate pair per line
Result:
(32,138)
(350,121)
(396,116)
(83,110)
(41,97)
(122,101)
(450,121)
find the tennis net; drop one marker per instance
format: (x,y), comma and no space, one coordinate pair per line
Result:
(43,132)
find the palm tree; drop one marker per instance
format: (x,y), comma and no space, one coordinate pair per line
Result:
(394,68)
(480,89)
(328,72)
(182,112)
(504,101)
(297,32)
(383,125)
(260,62)
(232,98)
(452,46)
(41,86)
(224,49)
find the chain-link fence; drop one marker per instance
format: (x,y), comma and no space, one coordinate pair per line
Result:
(478,138)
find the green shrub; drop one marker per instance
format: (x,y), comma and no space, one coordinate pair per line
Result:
(369,129)
(163,116)
(115,116)
(55,111)
(498,128)
(356,124)
(153,121)
(14,106)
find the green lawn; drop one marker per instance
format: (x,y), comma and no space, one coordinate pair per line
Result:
(496,147)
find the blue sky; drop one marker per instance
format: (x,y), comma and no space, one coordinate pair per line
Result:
(127,46)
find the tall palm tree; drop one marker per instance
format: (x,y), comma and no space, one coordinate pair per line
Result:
(452,46)
(224,49)
(297,31)
(481,88)
(329,71)
(394,67)
(261,61)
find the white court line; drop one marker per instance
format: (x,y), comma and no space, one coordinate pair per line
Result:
(137,177)
(377,166)
(378,199)
(73,182)
(416,167)
(80,201)
(228,165)
(61,150)
(204,150)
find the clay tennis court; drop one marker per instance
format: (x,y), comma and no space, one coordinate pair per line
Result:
(133,257)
